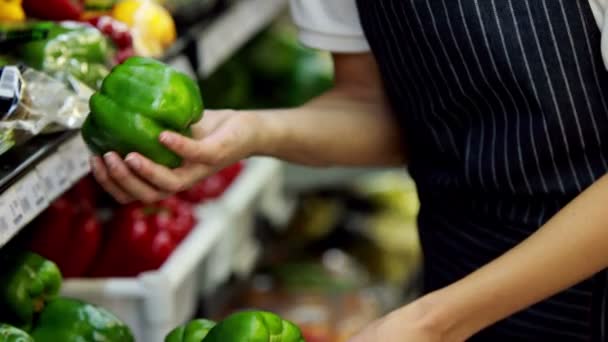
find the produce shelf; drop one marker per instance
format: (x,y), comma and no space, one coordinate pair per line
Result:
(33,175)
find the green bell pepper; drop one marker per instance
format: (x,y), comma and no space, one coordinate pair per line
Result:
(254,326)
(25,287)
(8,333)
(70,320)
(137,101)
(77,49)
(193,331)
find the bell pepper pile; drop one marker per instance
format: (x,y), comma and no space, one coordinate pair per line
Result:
(244,326)
(119,33)
(86,38)
(31,310)
(69,232)
(136,237)
(213,186)
(70,48)
(141,237)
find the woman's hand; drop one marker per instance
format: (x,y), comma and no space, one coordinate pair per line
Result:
(410,323)
(220,139)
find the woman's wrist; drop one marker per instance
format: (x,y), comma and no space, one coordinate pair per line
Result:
(439,314)
(268,132)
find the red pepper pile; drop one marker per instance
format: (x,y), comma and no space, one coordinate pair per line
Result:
(69,232)
(213,186)
(137,237)
(118,32)
(54,9)
(141,237)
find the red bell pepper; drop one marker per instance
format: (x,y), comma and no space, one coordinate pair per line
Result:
(82,246)
(143,237)
(84,194)
(129,235)
(161,248)
(54,9)
(68,232)
(231,172)
(52,229)
(213,186)
(180,217)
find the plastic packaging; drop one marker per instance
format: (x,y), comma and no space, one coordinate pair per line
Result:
(32,103)
(70,50)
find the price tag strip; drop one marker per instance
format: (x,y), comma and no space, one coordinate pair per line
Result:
(76,155)
(54,173)
(6,228)
(27,198)
(30,195)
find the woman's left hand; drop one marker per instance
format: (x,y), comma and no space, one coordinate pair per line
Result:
(409,323)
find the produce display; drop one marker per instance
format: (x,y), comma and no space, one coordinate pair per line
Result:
(76,49)
(104,57)
(244,326)
(69,232)
(129,239)
(138,100)
(31,309)
(141,237)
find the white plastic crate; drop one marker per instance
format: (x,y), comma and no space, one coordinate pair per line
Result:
(155,302)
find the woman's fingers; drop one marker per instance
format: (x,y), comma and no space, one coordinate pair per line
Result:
(130,183)
(101,174)
(215,149)
(164,178)
(187,148)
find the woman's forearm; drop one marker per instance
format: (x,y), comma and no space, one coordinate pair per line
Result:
(335,129)
(350,125)
(569,248)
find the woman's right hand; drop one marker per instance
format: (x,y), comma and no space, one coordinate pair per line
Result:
(222,138)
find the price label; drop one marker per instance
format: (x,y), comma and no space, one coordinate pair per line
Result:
(32,195)
(15,212)
(5,226)
(54,176)
(77,155)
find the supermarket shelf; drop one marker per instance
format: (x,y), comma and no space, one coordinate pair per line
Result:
(207,45)
(235,27)
(33,175)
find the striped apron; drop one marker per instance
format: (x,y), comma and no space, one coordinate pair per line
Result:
(504,106)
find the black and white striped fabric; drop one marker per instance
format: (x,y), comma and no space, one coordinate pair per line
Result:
(504,105)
